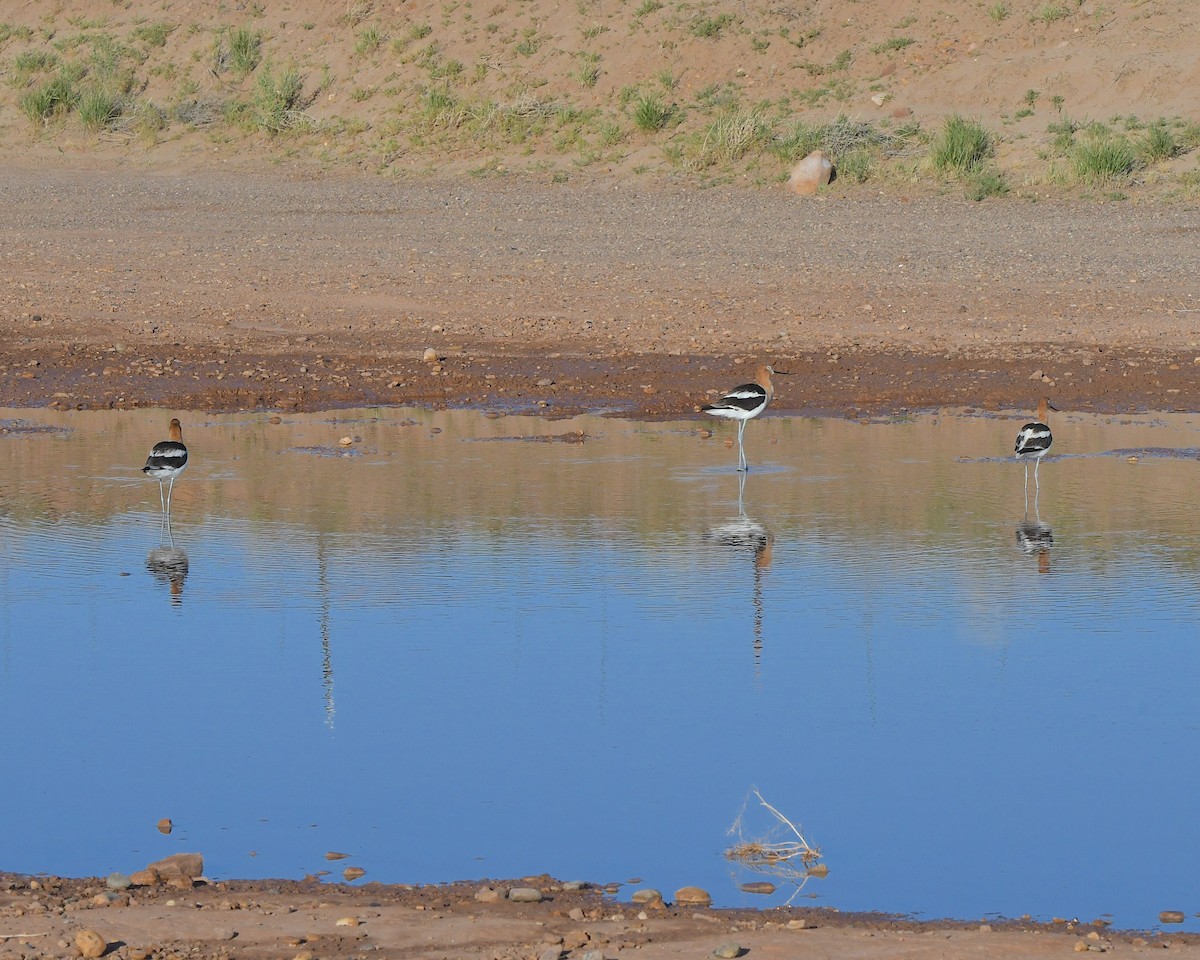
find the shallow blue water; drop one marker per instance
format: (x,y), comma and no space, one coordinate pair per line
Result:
(455,658)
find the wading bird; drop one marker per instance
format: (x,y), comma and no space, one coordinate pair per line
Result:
(1032,443)
(744,403)
(166,462)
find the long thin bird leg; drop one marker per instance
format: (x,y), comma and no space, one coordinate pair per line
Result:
(1037,488)
(741,449)
(170,490)
(161,501)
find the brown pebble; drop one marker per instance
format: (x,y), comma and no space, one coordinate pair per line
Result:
(1171,916)
(334,855)
(275,420)
(353,873)
(165,825)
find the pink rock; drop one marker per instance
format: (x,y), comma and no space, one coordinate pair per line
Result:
(810,174)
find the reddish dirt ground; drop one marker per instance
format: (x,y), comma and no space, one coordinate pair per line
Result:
(238,290)
(302,919)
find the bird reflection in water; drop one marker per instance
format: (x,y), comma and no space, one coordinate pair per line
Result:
(1035,538)
(167,563)
(749,535)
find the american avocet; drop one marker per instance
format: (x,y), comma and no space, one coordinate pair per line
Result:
(745,403)
(1033,441)
(166,461)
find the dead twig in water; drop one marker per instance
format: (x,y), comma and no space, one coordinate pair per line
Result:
(792,860)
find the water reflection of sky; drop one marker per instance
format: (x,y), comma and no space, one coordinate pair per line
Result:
(963,726)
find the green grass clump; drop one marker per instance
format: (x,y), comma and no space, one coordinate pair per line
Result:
(98,107)
(961,146)
(983,182)
(370,39)
(588,71)
(729,137)
(1101,156)
(277,99)
(153,34)
(30,63)
(1050,13)
(893,43)
(55,97)
(650,114)
(243,51)
(709,27)
(1158,143)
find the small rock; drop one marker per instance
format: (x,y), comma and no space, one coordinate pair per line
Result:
(224,933)
(797,924)
(646,895)
(810,174)
(692,897)
(353,873)
(144,878)
(575,885)
(576,914)
(165,825)
(1080,946)
(430,355)
(985,928)
(728,950)
(90,944)
(334,855)
(346,441)
(137,953)
(118,881)
(551,953)
(525,895)
(489,895)
(1037,375)
(347,922)
(1171,916)
(189,865)
(759,886)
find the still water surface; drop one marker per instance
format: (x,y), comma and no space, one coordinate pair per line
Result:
(457,652)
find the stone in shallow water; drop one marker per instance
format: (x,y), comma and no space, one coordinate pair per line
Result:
(692,896)
(647,895)
(525,895)
(1171,916)
(759,886)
